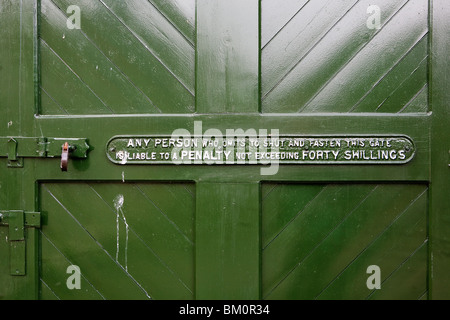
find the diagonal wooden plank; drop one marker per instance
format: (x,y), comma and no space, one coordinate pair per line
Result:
(77,96)
(181,13)
(388,250)
(159,235)
(51,105)
(303,33)
(366,68)
(72,46)
(419,103)
(125,246)
(276,17)
(266,189)
(407,89)
(424,296)
(130,60)
(283,205)
(166,213)
(46,293)
(175,201)
(337,52)
(74,241)
(360,62)
(190,189)
(330,256)
(402,68)
(409,281)
(53,274)
(304,234)
(159,37)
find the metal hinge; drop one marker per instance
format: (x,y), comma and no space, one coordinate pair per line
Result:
(17,221)
(17,148)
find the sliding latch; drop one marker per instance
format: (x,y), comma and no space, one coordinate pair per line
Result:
(17,221)
(17,148)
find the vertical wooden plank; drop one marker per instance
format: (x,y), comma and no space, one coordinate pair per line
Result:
(228,215)
(227,56)
(227,241)
(440,146)
(18,27)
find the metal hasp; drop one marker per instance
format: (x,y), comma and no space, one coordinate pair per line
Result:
(17,148)
(64,156)
(18,220)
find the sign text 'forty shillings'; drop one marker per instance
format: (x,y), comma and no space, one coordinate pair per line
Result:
(260,150)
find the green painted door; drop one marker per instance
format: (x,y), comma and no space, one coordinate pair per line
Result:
(346,221)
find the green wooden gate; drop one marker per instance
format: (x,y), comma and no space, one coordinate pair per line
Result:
(348,69)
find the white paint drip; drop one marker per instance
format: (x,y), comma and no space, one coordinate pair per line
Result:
(126,241)
(118,204)
(123,176)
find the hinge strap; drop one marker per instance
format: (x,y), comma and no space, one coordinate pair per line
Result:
(41,147)
(17,148)
(17,221)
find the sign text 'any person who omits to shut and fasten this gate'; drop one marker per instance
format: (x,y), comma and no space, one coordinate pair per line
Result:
(260,150)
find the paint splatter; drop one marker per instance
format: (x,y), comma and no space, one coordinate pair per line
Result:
(118,204)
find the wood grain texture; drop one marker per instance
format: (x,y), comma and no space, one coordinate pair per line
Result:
(325,58)
(323,252)
(137,249)
(129,56)
(228,56)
